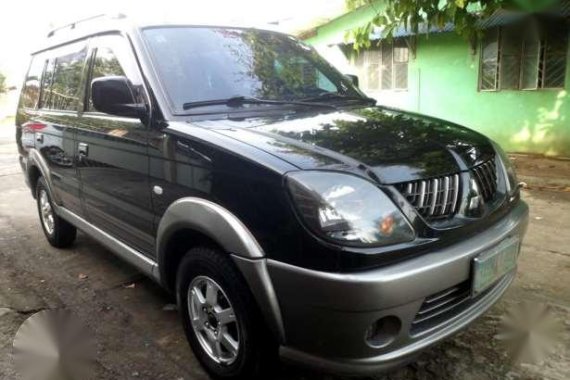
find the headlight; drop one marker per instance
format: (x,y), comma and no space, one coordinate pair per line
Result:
(510,174)
(347,209)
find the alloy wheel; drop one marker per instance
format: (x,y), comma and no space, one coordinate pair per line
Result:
(213,320)
(46,212)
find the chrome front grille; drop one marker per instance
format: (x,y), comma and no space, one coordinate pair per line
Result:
(485,176)
(433,198)
(437,198)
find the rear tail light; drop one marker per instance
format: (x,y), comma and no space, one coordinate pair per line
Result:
(32,126)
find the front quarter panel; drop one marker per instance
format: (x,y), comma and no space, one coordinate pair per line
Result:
(190,161)
(210,219)
(226,229)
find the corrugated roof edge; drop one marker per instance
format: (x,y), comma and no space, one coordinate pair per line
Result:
(499,18)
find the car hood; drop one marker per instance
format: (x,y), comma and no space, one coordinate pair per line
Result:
(389,145)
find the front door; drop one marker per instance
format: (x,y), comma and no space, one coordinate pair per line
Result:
(112,153)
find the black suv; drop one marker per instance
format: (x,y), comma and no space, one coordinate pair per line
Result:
(287,212)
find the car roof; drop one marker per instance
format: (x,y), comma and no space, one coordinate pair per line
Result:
(106,23)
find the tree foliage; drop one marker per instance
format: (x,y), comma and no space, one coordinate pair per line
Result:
(393,14)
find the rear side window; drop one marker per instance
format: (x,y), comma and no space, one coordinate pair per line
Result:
(47,81)
(31,92)
(62,79)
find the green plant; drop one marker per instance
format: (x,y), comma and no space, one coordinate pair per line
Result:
(392,14)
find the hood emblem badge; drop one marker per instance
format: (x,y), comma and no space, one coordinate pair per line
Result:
(474,199)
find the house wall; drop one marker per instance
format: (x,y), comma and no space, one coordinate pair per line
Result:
(443,81)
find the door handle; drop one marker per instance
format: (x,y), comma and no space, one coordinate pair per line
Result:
(83,149)
(39,137)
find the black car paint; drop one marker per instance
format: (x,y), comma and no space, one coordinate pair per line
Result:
(119,197)
(52,135)
(395,145)
(266,209)
(114,177)
(240,161)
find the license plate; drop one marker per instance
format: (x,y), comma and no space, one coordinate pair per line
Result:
(491,265)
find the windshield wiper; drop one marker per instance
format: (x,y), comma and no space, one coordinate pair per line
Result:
(336,95)
(238,101)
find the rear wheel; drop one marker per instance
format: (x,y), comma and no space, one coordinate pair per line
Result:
(59,233)
(220,317)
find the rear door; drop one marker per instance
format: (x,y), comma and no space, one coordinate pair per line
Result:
(51,127)
(113,153)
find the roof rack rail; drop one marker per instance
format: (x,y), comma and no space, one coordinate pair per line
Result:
(74,24)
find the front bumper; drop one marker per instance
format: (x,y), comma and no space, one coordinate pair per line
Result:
(325,316)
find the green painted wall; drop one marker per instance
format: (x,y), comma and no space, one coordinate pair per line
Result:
(335,31)
(443,80)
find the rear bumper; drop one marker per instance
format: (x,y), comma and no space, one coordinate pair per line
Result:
(325,316)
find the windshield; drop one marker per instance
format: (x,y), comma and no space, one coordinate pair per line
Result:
(199,64)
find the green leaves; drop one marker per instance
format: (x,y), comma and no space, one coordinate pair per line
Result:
(410,14)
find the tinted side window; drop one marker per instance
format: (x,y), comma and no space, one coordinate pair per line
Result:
(31,91)
(67,71)
(114,57)
(47,81)
(105,64)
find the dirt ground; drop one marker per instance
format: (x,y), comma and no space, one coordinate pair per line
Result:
(139,337)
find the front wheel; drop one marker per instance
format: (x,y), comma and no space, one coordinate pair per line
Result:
(220,317)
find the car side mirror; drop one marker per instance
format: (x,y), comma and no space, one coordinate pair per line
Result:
(352,78)
(114,95)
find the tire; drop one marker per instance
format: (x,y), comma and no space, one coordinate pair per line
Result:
(204,268)
(59,233)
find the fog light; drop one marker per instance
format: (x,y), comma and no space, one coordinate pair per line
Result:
(383,332)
